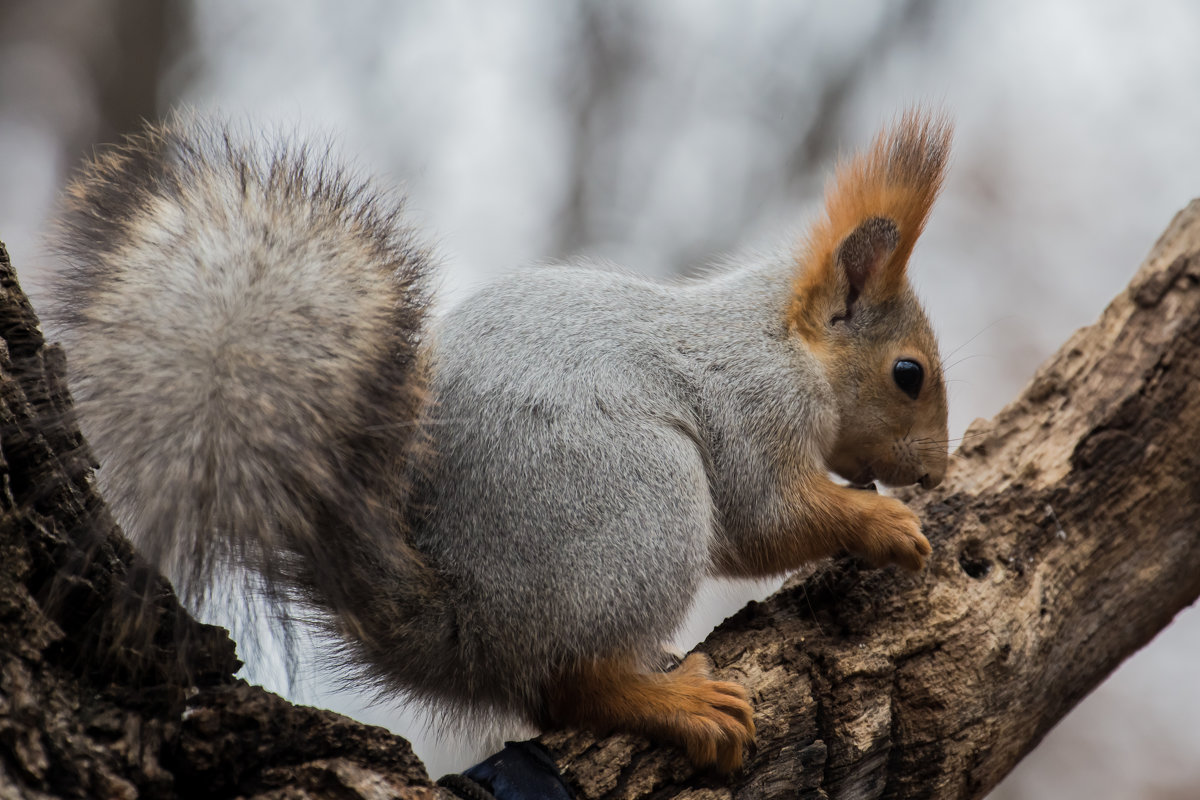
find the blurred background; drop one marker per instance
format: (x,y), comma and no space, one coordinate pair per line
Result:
(658,135)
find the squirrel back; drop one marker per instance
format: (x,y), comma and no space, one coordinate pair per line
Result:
(508,510)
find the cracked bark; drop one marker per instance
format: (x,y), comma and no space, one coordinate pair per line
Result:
(1065,537)
(94,705)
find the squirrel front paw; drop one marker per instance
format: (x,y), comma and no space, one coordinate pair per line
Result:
(892,535)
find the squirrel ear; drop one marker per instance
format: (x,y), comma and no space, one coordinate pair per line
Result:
(864,252)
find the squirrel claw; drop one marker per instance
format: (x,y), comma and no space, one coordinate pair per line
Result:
(893,536)
(717,721)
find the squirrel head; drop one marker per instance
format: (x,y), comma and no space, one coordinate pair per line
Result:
(854,308)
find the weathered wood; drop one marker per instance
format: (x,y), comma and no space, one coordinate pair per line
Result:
(94,705)
(1066,535)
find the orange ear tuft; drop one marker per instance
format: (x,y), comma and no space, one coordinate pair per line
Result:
(895,181)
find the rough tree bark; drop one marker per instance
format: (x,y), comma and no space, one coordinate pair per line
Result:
(1065,537)
(92,705)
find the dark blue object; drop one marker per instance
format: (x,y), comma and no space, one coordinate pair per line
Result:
(521,771)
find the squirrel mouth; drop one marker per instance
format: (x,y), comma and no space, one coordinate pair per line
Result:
(863,479)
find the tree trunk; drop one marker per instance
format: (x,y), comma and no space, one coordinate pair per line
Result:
(99,698)
(1065,538)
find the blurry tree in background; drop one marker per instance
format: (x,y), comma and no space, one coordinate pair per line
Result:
(88,70)
(609,117)
(657,135)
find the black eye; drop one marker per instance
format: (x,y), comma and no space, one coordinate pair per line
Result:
(908,376)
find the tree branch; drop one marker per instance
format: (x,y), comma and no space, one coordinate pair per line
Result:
(1064,538)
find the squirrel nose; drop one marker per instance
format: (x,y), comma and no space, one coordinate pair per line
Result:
(928,481)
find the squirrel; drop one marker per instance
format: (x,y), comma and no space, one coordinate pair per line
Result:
(506,509)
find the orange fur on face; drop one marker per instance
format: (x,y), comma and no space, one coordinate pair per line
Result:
(897,179)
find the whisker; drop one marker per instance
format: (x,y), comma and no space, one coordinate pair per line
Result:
(964,359)
(982,330)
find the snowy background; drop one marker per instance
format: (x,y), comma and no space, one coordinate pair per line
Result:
(658,135)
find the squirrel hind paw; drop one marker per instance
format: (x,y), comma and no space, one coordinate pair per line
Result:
(718,721)
(711,720)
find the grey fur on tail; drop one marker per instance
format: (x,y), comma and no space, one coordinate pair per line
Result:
(242,322)
(243,326)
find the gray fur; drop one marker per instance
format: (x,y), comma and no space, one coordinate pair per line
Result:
(242,322)
(588,444)
(595,439)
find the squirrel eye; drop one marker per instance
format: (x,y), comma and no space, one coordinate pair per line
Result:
(908,376)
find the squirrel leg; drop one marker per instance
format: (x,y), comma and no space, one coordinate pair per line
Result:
(711,720)
(824,518)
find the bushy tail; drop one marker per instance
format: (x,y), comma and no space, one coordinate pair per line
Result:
(242,324)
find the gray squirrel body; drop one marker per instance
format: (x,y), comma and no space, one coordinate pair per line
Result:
(608,434)
(510,509)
